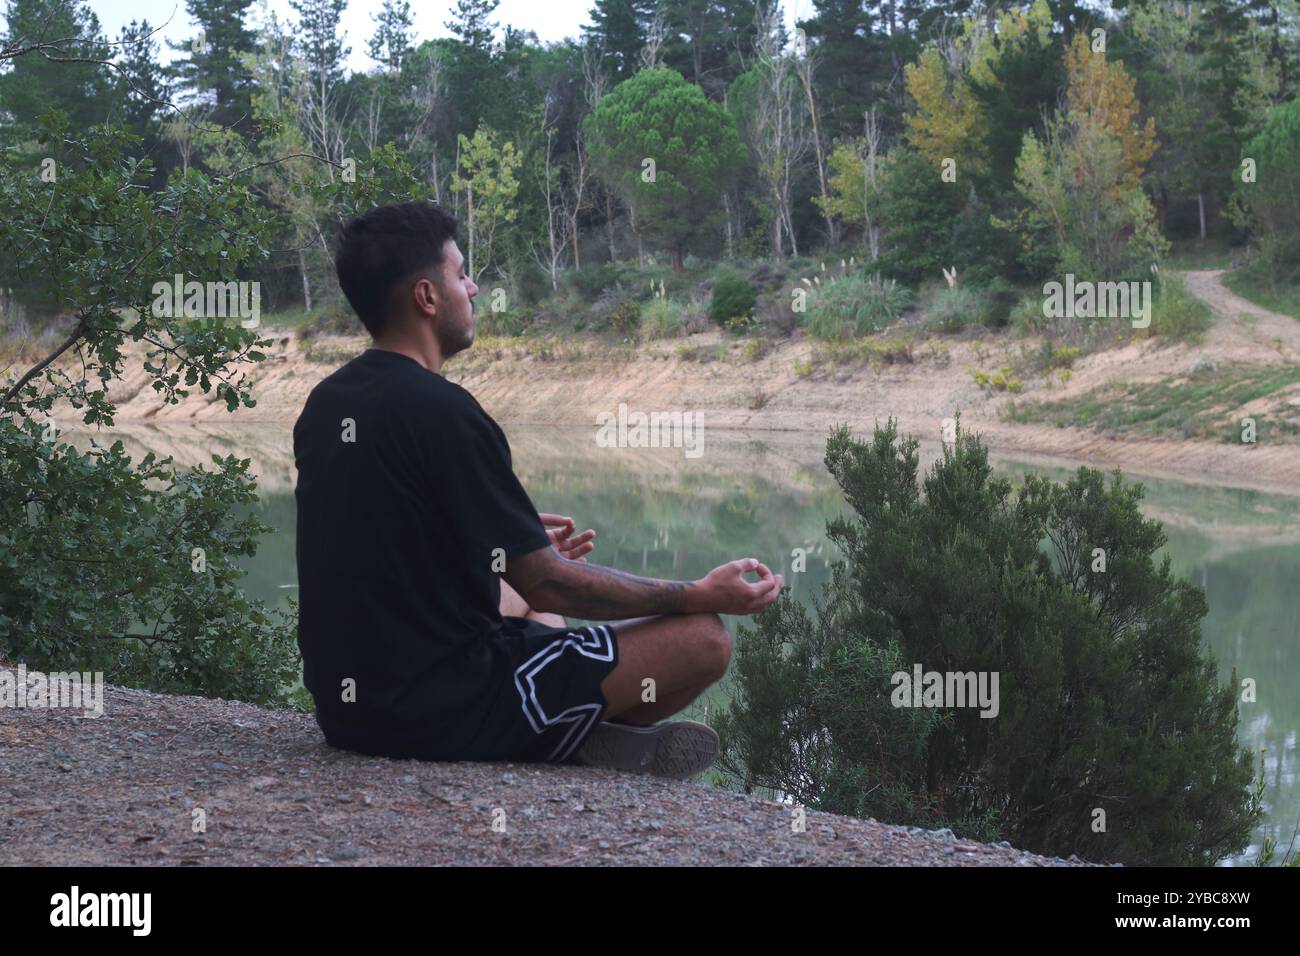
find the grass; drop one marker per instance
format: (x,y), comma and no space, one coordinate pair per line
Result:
(1201,254)
(1202,405)
(1265,292)
(868,350)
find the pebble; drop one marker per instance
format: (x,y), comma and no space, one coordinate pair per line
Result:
(218,765)
(506,778)
(406,778)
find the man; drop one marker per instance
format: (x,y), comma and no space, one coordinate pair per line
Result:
(432,593)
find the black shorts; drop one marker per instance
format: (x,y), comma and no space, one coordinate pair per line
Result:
(553,700)
(532,694)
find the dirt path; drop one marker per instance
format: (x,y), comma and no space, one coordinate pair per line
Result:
(1242,321)
(127,789)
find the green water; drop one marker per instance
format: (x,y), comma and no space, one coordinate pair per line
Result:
(659,513)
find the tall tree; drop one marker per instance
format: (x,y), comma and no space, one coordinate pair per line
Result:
(209,67)
(320,52)
(34,82)
(390,44)
(668,152)
(618,29)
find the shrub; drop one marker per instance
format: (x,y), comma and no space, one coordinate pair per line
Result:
(1176,313)
(733,298)
(996,302)
(1105,698)
(506,322)
(953,308)
(855,304)
(661,318)
(626,317)
(1026,316)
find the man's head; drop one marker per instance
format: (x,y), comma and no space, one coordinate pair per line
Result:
(401,270)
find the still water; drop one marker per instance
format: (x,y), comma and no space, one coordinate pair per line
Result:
(658,513)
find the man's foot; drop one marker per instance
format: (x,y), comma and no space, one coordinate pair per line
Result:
(680,749)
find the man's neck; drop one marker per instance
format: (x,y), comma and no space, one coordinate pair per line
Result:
(426,353)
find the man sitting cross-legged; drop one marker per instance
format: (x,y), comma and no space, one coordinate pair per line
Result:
(432,596)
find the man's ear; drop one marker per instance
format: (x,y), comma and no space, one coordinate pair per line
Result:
(425,295)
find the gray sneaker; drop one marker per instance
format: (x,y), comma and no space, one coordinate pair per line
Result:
(680,749)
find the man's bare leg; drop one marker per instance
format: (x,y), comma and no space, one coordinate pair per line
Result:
(684,654)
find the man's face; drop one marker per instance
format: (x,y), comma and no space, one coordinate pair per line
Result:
(454,324)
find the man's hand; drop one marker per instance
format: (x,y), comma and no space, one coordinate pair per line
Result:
(566,542)
(547,582)
(724,590)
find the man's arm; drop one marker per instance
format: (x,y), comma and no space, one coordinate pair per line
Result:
(549,582)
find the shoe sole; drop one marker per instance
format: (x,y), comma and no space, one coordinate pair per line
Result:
(678,749)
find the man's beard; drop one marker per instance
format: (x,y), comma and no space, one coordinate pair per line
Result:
(453,340)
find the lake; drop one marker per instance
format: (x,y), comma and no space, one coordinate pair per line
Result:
(658,512)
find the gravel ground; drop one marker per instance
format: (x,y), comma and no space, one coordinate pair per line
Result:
(125,788)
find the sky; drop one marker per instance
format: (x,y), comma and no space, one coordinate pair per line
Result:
(551,20)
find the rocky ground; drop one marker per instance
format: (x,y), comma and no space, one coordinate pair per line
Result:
(162,780)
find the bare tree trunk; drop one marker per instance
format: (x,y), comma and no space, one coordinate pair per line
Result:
(609,225)
(306,282)
(726,208)
(873,135)
(1200,208)
(805,70)
(636,231)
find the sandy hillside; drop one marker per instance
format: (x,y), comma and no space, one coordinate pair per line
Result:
(571,383)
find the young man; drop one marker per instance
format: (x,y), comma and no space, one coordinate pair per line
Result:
(410,517)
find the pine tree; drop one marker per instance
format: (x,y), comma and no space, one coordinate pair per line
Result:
(618,28)
(35,83)
(391,41)
(209,68)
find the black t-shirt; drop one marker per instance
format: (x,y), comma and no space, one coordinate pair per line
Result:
(405,494)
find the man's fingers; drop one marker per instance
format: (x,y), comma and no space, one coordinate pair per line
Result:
(556,521)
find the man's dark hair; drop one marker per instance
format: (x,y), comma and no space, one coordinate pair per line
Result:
(382,247)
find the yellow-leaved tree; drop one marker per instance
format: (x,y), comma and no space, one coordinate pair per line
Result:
(1103,91)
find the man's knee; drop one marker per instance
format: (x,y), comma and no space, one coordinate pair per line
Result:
(713,646)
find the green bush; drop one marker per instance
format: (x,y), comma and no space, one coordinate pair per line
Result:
(953,308)
(1026,316)
(1105,699)
(733,298)
(625,317)
(661,318)
(1176,313)
(996,301)
(852,305)
(506,322)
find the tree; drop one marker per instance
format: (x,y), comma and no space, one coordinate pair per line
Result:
(977,93)
(767,103)
(34,82)
(708,41)
(618,30)
(667,151)
(319,53)
(1272,200)
(1105,699)
(1104,93)
(390,44)
(209,66)
(142,87)
(1082,180)
(486,175)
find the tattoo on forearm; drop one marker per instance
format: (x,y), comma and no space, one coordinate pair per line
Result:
(592,591)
